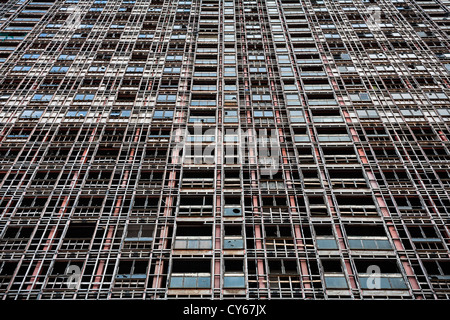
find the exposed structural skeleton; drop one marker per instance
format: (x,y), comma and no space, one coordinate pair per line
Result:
(102,102)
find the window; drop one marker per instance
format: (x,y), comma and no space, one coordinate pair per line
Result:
(360,97)
(202,118)
(261,97)
(84,97)
(326,243)
(411,112)
(139,232)
(234,281)
(292,100)
(163,114)
(335,282)
(200,138)
(134,69)
(286,71)
(190,281)
(297,116)
(334,138)
(120,113)
(229,72)
(166,98)
(31,114)
(174,58)
(263,114)
(54,25)
(401,96)
(204,103)
(145,36)
(67,57)
(444,112)
(229,59)
(369,243)
(367,114)
(204,87)
(346,69)
(408,203)
(58,69)
(42,97)
(437,269)
(76,114)
(193,243)
(172,70)
(385,282)
(301,138)
(132,270)
(230,116)
(233,243)
(258,69)
(46,35)
(97,69)
(21,68)
(329,116)
(232,212)
(31,56)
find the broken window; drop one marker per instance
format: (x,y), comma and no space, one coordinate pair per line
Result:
(193,237)
(80,230)
(190,274)
(132,269)
(367,237)
(233,238)
(325,239)
(233,276)
(140,232)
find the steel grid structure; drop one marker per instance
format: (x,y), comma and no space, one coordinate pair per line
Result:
(100,98)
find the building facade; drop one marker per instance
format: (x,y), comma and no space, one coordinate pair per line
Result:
(258,149)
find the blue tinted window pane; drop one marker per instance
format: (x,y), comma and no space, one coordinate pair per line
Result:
(233,244)
(355,244)
(326,244)
(26,114)
(397,283)
(232,212)
(384,283)
(37,114)
(193,244)
(176,282)
(363,282)
(369,244)
(384,244)
(335,282)
(190,282)
(234,282)
(205,244)
(204,282)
